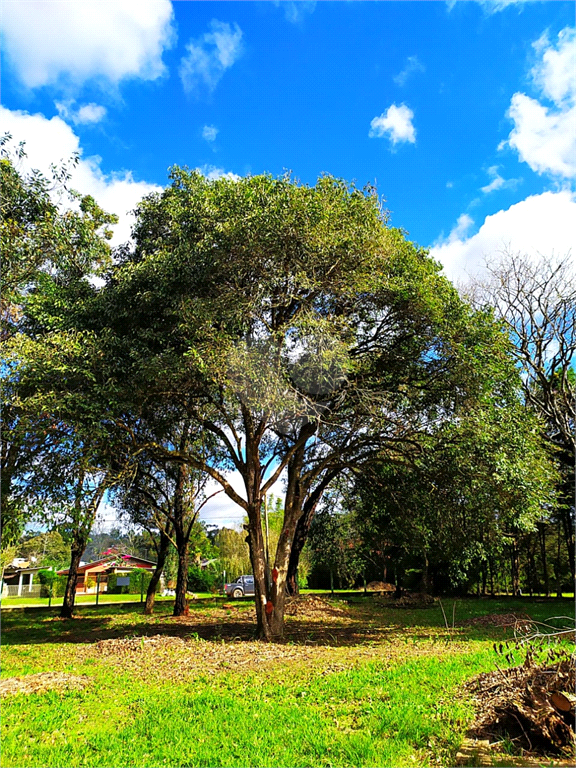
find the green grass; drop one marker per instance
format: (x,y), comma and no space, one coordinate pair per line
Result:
(20,602)
(328,697)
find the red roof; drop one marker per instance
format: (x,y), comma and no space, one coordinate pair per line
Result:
(112,561)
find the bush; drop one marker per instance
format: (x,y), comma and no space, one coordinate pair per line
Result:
(203,580)
(136,584)
(47,578)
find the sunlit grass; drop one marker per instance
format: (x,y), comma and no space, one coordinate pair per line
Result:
(392,701)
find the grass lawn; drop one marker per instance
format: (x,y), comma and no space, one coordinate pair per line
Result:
(21,602)
(361,684)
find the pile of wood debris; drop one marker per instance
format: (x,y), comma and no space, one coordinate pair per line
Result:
(310,606)
(409,600)
(532,706)
(380,586)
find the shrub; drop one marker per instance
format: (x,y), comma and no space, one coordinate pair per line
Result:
(133,588)
(203,580)
(47,578)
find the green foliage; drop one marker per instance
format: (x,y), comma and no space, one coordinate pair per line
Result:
(139,579)
(51,582)
(49,549)
(49,251)
(207,579)
(335,544)
(233,552)
(478,483)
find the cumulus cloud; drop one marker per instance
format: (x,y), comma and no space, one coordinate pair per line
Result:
(210,56)
(60,42)
(545,136)
(396,124)
(53,141)
(539,224)
(88,113)
(209,133)
(212,173)
(412,66)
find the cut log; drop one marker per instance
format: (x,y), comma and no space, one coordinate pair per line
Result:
(564,702)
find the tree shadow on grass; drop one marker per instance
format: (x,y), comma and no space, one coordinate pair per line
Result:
(348,623)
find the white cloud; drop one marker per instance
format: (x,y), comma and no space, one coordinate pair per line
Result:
(88,113)
(555,73)
(211,172)
(63,42)
(295,12)
(545,137)
(412,66)
(396,123)
(53,141)
(209,133)
(462,226)
(497,182)
(210,56)
(540,224)
(491,6)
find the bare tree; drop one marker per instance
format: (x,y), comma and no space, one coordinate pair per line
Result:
(536,300)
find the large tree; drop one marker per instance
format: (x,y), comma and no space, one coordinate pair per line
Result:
(44,245)
(297,329)
(50,439)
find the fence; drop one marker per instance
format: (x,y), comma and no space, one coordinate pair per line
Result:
(25,591)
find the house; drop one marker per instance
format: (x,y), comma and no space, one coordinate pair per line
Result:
(18,580)
(90,574)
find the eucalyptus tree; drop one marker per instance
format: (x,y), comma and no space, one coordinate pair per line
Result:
(297,329)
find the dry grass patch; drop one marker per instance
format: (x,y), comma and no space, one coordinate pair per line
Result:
(42,682)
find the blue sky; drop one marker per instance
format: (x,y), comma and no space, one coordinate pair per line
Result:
(462,113)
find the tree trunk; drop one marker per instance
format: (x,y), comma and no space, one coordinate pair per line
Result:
(568,525)
(426,575)
(398,574)
(300,536)
(491,567)
(70,593)
(182,535)
(558,568)
(258,560)
(151,592)
(542,536)
(515,568)
(180,601)
(302,529)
